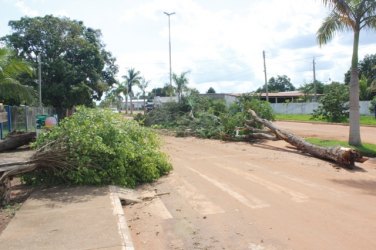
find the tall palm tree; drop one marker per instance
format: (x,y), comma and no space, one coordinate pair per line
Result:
(353,15)
(181,82)
(143,84)
(11,90)
(131,79)
(116,95)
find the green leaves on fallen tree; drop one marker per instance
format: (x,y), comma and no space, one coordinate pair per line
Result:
(101,148)
(207,118)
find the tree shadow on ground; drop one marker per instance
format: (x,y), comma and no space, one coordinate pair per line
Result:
(367,186)
(62,195)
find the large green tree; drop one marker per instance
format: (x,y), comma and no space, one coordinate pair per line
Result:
(167,90)
(367,76)
(278,84)
(12,92)
(76,68)
(308,89)
(132,78)
(349,15)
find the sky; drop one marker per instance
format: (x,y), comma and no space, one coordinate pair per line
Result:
(220,42)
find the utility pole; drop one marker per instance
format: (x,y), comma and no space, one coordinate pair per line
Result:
(314,79)
(40,80)
(169,43)
(266,79)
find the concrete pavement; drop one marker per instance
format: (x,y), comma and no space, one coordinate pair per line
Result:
(69,218)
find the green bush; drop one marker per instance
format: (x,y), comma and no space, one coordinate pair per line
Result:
(333,105)
(103,148)
(166,115)
(372,105)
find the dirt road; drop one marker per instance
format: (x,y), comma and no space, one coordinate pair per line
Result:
(264,196)
(327,131)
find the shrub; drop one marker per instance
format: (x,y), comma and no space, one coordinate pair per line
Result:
(333,105)
(372,105)
(102,148)
(166,115)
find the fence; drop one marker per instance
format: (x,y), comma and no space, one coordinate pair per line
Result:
(22,118)
(307,108)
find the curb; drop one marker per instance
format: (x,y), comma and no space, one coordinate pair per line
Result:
(123,230)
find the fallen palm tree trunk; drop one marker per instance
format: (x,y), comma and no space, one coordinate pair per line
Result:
(16,139)
(344,156)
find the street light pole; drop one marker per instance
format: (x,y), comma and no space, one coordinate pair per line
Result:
(169,43)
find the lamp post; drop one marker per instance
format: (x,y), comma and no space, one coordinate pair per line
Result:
(169,42)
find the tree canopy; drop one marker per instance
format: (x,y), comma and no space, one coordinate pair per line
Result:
(211,90)
(76,68)
(367,75)
(279,84)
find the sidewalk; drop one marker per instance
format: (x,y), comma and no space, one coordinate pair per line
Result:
(68,218)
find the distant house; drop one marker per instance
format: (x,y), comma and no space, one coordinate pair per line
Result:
(289,96)
(138,104)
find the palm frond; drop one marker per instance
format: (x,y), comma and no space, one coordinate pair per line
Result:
(11,89)
(332,24)
(342,5)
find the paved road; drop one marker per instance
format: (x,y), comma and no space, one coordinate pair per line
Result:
(263,196)
(327,131)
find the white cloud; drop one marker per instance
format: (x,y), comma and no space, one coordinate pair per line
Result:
(25,9)
(219,42)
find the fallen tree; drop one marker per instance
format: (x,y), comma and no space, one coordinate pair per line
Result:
(343,156)
(16,139)
(92,147)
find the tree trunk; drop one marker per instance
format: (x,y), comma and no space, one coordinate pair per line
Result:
(16,139)
(343,156)
(354,129)
(5,191)
(130,99)
(144,103)
(126,104)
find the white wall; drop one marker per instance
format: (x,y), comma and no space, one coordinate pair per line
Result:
(307,108)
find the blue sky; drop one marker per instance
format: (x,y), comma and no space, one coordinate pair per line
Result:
(220,42)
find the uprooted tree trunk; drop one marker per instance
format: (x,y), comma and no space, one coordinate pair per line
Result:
(344,156)
(16,139)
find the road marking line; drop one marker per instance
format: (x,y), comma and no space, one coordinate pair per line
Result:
(158,208)
(304,182)
(199,202)
(295,196)
(255,204)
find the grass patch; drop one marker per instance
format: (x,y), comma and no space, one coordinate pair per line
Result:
(364,119)
(294,117)
(366,149)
